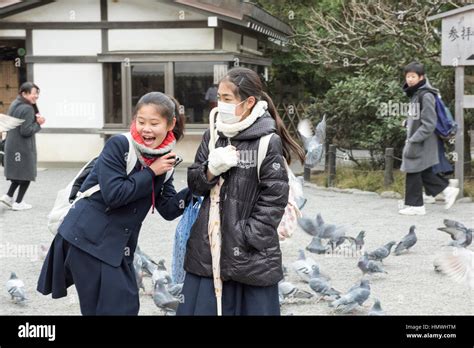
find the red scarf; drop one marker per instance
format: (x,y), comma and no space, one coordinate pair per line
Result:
(150,155)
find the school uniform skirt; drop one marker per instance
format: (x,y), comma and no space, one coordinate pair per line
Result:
(237,298)
(102,289)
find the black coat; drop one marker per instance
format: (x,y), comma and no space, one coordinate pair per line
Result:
(250,210)
(20,145)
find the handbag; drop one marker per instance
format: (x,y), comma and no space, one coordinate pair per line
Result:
(181,237)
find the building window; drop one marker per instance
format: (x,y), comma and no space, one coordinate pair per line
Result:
(113,94)
(147,78)
(195,87)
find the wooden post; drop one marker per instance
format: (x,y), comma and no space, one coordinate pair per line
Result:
(388,174)
(332,165)
(459,118)
(307,174)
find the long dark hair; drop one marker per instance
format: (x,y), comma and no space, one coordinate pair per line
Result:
(167,107)
(248,84)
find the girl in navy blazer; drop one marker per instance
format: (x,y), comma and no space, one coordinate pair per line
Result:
(96,242)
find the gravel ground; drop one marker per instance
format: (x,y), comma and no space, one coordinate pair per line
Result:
(411,287)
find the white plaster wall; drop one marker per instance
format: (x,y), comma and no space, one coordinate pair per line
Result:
(66,42)
(71,95)
(161,39)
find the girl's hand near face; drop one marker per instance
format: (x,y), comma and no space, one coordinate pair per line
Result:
(163,164)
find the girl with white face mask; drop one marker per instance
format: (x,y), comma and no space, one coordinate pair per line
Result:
(233,257)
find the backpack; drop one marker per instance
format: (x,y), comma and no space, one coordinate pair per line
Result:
(446,127)
(68,196)
(289,221)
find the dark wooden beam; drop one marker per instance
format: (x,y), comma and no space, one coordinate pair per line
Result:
(218,38)
(61,59)
(29,51)
(104,32)
(104,25)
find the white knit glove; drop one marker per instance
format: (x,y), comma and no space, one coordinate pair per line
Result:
(222,159)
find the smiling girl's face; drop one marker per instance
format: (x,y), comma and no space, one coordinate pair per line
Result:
(151,126)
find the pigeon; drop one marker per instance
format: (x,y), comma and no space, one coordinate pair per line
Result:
(313,143)
(355,297)
(320,229)
(407,242)
(296,185)
(137,265)
(288,290)
(357,241)
(163,299)
(376,308)
(369,266)
(303,266)
(173,289)
(160,274)
(381,253)
(459,265)
(316,247)
(316,273)
(461,235)
(8,122)
(322,287)
(148,265)
(16,289)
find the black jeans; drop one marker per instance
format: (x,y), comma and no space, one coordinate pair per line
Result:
(433,184)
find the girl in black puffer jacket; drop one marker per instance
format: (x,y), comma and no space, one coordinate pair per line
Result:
(233,258)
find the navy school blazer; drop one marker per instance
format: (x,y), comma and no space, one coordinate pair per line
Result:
(106,225)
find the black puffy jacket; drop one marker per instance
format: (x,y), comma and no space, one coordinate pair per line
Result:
(250,209)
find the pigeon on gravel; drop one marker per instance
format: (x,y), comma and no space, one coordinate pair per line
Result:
(162,298)
(288,290)
(381,253)
(358,241)
(407,242)
(376,308)
(148,265)
(137,266)
(16,289)
(461,235)
(316,247)
(303,266)
(368,266)
(322,287)
(352,299)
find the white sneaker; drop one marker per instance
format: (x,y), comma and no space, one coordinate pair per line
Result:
(21,206)
(428,199)
(7,200)
(450,194)
(409,210)
(454,182)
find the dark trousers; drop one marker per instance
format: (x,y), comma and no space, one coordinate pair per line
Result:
(433,184)
(21,192)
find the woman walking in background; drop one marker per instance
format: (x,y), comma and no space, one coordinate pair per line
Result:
(20,146)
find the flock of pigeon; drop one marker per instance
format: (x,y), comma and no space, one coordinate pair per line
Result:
(457,262)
